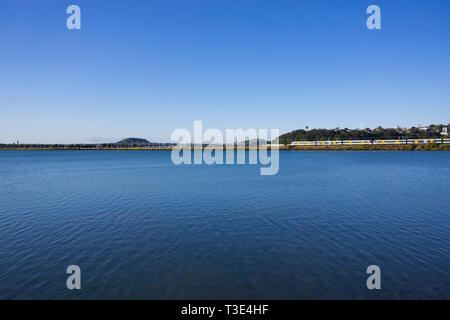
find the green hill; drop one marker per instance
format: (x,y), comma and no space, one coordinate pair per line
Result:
(134,142)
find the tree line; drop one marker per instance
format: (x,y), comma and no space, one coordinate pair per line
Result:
(432,131)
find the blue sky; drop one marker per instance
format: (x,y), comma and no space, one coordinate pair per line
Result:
(145,68)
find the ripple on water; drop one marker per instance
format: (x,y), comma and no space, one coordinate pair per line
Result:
(141,227)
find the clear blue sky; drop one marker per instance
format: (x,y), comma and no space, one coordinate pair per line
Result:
(145,68)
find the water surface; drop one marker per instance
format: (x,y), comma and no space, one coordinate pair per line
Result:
(142,228)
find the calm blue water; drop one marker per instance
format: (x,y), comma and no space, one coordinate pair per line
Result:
(141,227)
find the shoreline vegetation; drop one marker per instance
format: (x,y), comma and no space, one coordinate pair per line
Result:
(426,132)
(405,147)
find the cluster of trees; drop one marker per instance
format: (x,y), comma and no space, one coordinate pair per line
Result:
(432,131)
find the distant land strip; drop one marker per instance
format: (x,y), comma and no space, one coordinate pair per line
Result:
(430,138)
(366,147)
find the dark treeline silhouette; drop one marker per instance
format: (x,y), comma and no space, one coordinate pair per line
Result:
(432,131)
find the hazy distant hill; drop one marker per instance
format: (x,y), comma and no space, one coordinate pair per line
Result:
(135,142)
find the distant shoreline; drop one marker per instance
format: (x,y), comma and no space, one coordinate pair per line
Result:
(409,147)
